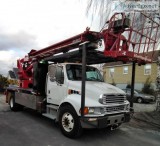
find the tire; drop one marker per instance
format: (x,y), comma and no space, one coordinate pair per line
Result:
(14,106)
(69,122)
(139,100)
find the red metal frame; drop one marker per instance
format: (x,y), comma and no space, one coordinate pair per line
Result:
(25,74)
(133,43)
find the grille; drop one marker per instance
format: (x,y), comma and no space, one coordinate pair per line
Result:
(114,108)
(117,98)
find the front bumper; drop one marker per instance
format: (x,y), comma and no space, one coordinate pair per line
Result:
(103,122)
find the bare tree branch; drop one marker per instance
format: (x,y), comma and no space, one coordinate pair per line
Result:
(100,7)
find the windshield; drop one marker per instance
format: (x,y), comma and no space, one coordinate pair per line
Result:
(74,72)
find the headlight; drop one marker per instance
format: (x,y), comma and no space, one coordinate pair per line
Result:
(93,110)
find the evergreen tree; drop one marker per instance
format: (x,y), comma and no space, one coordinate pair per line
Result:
(3,81)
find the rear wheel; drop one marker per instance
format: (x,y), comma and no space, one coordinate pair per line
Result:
(14,106)
(139,100)
(69,122)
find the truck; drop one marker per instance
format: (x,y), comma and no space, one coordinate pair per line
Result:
(60,82)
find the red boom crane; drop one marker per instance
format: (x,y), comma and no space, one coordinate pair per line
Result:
(122,42)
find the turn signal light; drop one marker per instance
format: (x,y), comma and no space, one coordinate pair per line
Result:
(85,111)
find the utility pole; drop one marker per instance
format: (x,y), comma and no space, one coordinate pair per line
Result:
(83,47)
(132,85)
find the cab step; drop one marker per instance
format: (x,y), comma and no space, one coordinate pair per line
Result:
(49,116)
(52,106)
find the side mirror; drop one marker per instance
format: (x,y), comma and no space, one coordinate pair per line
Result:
(59,75)
(52,72)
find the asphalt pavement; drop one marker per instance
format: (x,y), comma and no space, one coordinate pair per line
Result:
(28,128)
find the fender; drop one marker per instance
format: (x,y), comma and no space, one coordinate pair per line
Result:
(75,101)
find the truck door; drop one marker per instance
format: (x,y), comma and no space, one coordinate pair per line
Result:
(56,89)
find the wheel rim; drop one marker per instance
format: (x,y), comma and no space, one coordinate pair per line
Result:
(11,102)
(139,100)
(67,122)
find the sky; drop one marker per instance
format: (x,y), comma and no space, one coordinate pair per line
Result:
(35,24)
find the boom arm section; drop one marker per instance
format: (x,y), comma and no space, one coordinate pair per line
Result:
(25,65)
(66,45)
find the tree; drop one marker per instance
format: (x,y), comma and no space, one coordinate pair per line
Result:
(101,8)
(3,81)
(13,82)
(128,85)
(148,89)
(113,82)
(158,72)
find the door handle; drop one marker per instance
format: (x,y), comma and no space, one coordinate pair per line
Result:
(48,91)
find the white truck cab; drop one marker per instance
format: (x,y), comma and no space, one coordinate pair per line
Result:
(105,105)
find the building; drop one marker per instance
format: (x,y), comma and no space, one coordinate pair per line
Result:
(120,74)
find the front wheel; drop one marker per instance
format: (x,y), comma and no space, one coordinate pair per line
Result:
(69,122)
